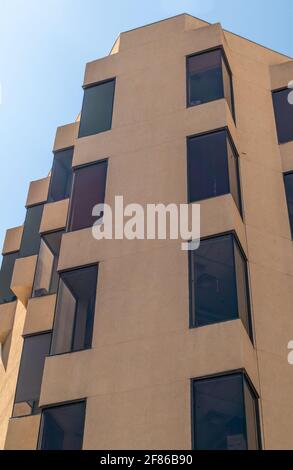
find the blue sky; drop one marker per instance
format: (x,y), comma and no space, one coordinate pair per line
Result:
(44,47)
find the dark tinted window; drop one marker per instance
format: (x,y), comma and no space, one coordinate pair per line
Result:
(62,427)
(224,414)
(75,309)
(284,115)
(251,413)
(35,349)
(88,190)
(61,176)
(234,179)
(218,283)
(209,78)
(97,108)
(212,167)
(46,277)
(6,272)
(30,242)
(288,179)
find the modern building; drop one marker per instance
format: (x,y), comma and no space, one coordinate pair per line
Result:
(137,344)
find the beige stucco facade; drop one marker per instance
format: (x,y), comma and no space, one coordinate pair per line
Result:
(136,378)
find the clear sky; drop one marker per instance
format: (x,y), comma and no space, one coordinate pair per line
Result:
(45,45)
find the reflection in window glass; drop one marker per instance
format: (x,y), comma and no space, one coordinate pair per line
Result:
(215,293)
(234,179)
(61,176)
(242,288)
(97,109)
(88,190)
(218,283)
(209,79)
(74,316)
(30,242)
(6,272)
(224,418)
(288,180)
(251,412)
(46,277)
(207,166)
(62,427)
(35,350)
(212,167)
(205,77)
(228,86)
(283,115)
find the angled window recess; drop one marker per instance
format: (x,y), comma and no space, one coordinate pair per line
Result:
(89,185)
(61,175)
(209,78)
(35,349)
(219,283)
(225,414)
(30,242)
(62,427)
(46,277)
(6,272)
(283,115)
(97,108)
(75,310)
(213,167)
(288,181)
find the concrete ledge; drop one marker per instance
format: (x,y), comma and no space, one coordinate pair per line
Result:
(40,314)
(281,75)
(220,215)
(12,240)
(23,277)
(23,433)
(38,191)
(7,312)
(65,136)
(190,354)
(54,216)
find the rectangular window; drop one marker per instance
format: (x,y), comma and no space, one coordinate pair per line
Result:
(219,283)
(97,108)
(6,272)
(61,175)
(75,310)
(62,427)
(288,181)
(30,242)
(35,349)
(46,277)
(209,78)
(225,414)
(213,168)
(89,185)
(283,115)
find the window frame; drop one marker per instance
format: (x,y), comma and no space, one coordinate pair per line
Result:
(192,313)
(287,173)
(22,248)
(76,268)
(71,147)
(75,169)
(30,335)
(52,272)
(237,158)
(92,85)
(58,405)
(245,377)
(278,90)
(13,296)
(231,75)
